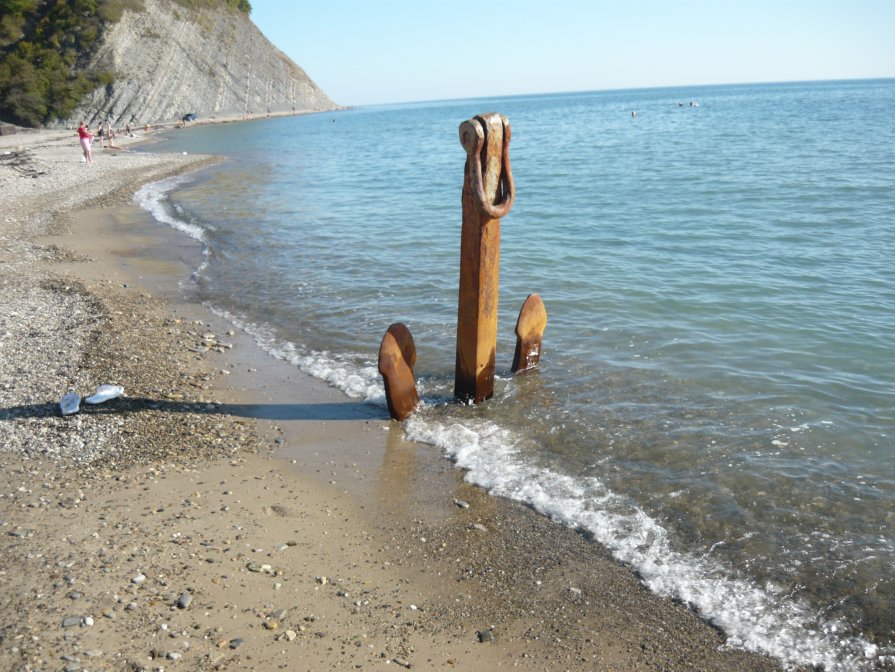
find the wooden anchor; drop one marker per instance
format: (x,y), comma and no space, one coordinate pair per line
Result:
(488,194)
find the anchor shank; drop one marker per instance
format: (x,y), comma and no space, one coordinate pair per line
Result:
(487,190)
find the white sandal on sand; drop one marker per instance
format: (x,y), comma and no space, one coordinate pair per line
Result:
(70,403)
(104,393)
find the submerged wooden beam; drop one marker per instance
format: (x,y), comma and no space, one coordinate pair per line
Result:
(397,357)
(488,193)
(529,333)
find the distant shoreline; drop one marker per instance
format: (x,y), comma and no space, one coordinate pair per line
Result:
(8,130)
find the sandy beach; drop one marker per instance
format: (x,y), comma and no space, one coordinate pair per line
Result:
(230,512)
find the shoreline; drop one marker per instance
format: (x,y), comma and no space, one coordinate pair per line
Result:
(270,499)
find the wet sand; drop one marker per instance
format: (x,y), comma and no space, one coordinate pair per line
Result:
(233,513)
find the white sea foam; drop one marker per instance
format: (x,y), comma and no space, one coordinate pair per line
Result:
(754,618)
(342,372)
(152,197)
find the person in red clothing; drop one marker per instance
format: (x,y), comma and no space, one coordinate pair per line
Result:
(86,137)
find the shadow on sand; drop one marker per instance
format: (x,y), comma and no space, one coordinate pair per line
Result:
(349,410)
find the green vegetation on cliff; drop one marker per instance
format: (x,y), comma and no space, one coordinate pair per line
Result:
(44,46)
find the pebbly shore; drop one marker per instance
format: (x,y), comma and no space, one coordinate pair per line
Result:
(194,524)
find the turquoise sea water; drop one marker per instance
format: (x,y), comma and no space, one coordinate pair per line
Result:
(716,399)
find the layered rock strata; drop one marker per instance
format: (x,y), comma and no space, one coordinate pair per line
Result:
(170,61)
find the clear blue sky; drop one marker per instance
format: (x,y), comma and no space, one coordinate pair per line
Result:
(381,51)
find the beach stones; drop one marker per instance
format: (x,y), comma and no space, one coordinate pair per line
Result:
(397,356)
(529,331)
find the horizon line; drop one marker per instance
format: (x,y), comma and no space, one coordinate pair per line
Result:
(622,88)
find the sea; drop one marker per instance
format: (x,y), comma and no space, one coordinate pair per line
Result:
(715,401)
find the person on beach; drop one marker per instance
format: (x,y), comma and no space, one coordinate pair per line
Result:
(85,137)
(101,133)
(110,134)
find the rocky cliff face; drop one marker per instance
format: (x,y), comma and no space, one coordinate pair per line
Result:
(170,61)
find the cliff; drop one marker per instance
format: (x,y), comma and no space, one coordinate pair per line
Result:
(169,61)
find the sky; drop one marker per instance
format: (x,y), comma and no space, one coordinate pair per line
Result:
(365,52)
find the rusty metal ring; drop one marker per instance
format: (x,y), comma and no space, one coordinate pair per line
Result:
(507,187)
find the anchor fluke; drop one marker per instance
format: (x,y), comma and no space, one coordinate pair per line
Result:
(529,332)
(397,357)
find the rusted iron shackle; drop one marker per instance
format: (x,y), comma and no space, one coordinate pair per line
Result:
(472,137)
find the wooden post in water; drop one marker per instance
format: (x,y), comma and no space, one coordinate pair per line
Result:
(488,193)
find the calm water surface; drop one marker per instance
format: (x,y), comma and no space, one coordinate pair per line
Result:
(716,399)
